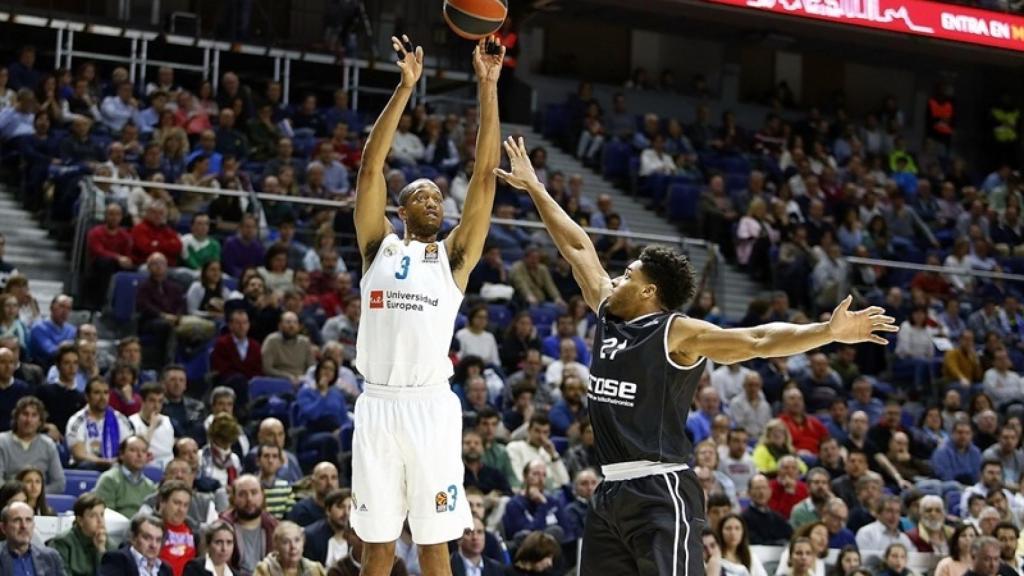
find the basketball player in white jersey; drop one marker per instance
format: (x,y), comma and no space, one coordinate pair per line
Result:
(407,448)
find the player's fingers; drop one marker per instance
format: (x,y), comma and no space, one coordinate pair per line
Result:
(509,148)
(502,174)
(887,328)
(879,340)
(522,147)
(883,319)
(405,38)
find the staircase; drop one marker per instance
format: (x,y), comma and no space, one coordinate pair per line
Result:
(31,250)
(737,289)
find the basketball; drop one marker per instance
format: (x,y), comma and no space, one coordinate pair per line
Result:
(475,19)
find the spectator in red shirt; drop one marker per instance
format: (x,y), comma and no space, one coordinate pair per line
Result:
(787,488)
(806,430)
(160,304)
(109,247)
(348,151)
(179,545)
(154,235)
(322,281)
(236,358)
(932,283)
(334,302)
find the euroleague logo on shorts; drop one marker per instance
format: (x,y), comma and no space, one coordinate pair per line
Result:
(441,501)
(376,299)
(444,501)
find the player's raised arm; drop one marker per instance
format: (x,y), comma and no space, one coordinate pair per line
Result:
(574,244)
(371,222)
(466,241)
(690,339)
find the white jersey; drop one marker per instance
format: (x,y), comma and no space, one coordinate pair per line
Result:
(409,305)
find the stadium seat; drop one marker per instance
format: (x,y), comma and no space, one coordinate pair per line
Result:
(500,315)
(682,202)
(347,432)
(616,160)
(78,482)
(561,444)
(556,121)
(61,503)
(265,386)
(544,314)
(123,287)
(154,473)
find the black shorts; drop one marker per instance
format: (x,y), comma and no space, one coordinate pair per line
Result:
(648,526)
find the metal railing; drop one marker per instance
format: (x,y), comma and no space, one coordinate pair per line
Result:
(711,276)
(930,268)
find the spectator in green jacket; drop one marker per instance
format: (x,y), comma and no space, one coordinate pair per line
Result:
(123,488)
(82,546)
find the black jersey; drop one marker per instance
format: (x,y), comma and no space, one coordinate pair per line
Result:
(639,398)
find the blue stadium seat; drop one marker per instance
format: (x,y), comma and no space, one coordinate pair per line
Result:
(616,160)
(78,482)
(346,437)
(561,444)
(544,314)
(556,121)
(154,473)
(123,287)
(499,315)
(953,502)
(61,503)
(682,202)
(265,386)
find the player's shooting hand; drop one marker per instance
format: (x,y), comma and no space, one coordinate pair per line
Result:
(487,66)
(860,326)
(522,174)
(411,63)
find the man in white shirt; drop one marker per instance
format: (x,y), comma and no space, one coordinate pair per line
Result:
(120,109)
(750,410)
(92,445)
(406,148)
(737,461)
(991,479)
(655,160)
(538,446)
(143,556)
(566,361)
(156,428)
(885,530)
(1008,452)
(1001,382)
(728,380)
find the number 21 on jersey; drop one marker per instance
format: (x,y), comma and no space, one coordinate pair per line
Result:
(403,273)
(610,347)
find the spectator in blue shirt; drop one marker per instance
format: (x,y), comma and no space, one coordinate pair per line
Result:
(534,510)
(958,458)
(340,112)
(322,412)
(47,335)
(861,399)
(571,409)
(208,148)
(709,405)
(17,121)
(22,74)
(565,327)
(120,109)
(835,515)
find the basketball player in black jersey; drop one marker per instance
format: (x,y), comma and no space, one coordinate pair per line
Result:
(647,516)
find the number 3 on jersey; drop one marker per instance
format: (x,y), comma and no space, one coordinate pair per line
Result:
(404,272)
(610,347)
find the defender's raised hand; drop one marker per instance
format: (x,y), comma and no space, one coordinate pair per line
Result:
(486,65)
(411,63)
(522,174)
(860,326)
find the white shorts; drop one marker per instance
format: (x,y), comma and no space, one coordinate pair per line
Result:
(407,462)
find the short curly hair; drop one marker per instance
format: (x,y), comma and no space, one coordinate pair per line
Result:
(671,272)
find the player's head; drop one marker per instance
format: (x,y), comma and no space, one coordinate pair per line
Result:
(661,278)
(420,206)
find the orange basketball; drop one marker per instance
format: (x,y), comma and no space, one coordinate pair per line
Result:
(475,19)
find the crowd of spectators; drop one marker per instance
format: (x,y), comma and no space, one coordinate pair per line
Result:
(847,447)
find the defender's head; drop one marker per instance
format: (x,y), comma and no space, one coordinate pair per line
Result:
(420,206)
(661,278)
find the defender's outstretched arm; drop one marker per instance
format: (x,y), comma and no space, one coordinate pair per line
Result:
(574,244)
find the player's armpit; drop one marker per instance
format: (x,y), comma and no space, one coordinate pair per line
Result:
(594,283)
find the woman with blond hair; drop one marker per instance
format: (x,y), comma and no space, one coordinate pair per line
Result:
(775,442)
(286,559)
(755,236)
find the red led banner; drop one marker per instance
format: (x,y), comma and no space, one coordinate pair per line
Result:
(919,17)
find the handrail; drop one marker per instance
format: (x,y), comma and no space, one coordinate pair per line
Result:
(681,240)
(939,269)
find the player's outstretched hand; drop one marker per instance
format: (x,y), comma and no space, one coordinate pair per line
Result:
(486,65)
(860,326)
(411,62)
(522,174)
